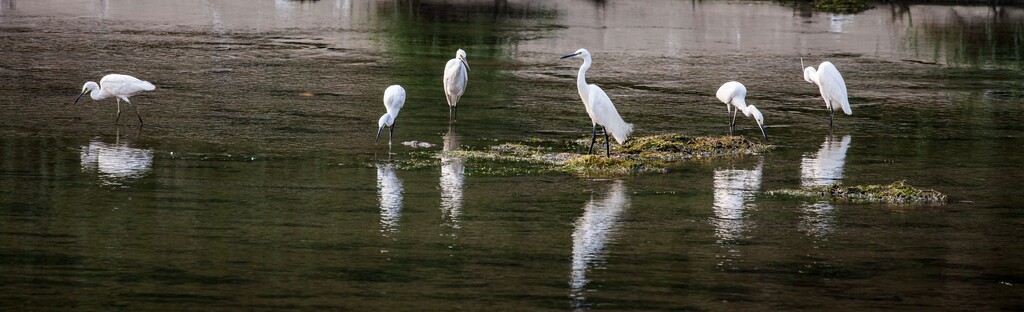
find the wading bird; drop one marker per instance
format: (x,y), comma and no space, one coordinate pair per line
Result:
(832,87)
(734,95)
(455,79)
(599,107)
(119,86)
(394,99)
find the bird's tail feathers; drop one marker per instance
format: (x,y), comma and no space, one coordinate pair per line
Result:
(148,86)
(619,129)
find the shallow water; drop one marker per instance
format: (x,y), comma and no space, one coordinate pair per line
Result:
(255,183)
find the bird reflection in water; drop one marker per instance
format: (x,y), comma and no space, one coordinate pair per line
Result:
(593,230)
(821,169)
(452,176)
(734,191)
(116,163)
(389,193)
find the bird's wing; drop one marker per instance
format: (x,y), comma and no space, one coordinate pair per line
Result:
(394,99)
(732,91)
(605,114)
(124,85)
(833,87)
(455,78)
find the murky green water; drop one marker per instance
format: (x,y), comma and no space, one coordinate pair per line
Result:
(255,183)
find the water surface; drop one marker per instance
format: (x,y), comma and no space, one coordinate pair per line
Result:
(255,183)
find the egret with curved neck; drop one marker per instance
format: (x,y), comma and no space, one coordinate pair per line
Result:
(832,87)
(734,94)
(119,86)
(599,107)
(455,79)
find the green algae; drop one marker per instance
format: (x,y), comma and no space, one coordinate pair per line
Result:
(640,155)
(898,192)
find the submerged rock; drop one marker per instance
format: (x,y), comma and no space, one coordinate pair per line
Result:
(898,192)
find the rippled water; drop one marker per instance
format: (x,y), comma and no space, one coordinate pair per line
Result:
(255,183)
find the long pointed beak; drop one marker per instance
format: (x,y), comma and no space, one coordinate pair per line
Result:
(765,134)
(568,56)
(79,97)
(378,135)
(802,64)
(465,63)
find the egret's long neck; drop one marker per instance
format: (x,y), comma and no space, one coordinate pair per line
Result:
(581,79)
(99,94)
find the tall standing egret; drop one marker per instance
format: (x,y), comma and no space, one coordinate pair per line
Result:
(119,86)
(394,99)
(734,95)
(832,87)
(599,107)
(455,78)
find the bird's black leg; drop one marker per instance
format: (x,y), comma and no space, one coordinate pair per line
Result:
(118,111)
(607,144)
(136,112)
(391,134)
(832,114)
(732,124)
(593,138)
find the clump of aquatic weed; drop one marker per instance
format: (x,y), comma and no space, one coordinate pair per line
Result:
(639,155)
(898,192)
(598,166)
(674,146)
(842,6)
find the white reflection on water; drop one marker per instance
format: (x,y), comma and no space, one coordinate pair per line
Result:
(592,233)
(826,166)
(389,191)
(115,163)
(822,168)
(734,189)
(452,176)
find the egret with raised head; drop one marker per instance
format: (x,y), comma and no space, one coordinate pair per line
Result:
(119,86)
(734,95)
(599,107)
(394,99)
(832,87)
(455,78)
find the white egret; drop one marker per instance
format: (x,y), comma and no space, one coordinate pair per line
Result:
(119,86)
(734,94)
(455,78)
(394,99)
(599,107)
(832,87)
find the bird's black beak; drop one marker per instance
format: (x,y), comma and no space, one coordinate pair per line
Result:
(378,135)
(465,63)
(79,97)
(765,134)
(570,55)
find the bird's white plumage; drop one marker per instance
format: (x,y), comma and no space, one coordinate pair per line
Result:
(600,108)
(123,86)
(394,99)
(455,78)
(831,85)
(733,93)
(119,86)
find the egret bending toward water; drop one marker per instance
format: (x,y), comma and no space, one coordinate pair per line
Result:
(832,87)
(455,79)
(394,99)
(599,107)
(119,86)
(734,94)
